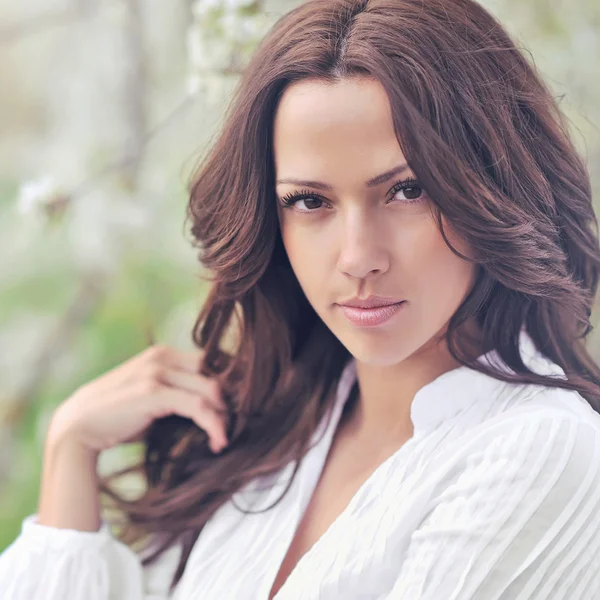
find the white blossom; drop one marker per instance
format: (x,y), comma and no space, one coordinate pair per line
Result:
(36,196)
(223,33)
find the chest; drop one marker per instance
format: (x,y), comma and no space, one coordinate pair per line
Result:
(343,475)
(330,498)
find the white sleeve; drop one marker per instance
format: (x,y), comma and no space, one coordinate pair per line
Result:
(47,563)
(520,520)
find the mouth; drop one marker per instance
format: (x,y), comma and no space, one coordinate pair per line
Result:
(373,316)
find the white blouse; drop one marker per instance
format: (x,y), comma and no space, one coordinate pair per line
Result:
(496,496)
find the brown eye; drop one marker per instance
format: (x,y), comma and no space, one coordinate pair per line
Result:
(413,192)
(309,202)
(312,203)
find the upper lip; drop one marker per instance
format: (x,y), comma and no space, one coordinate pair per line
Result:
(370,302)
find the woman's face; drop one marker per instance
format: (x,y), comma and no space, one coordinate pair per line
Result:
(351,239)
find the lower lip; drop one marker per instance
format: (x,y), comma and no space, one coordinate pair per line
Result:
(371,317)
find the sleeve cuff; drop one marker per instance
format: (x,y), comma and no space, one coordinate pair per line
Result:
(56,538)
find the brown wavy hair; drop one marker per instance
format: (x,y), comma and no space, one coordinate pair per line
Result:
(486,138)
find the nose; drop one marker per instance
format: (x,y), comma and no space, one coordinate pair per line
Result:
(363,251)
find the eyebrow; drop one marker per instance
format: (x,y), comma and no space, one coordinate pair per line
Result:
(369,184)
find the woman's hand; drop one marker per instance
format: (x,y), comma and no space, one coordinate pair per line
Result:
(120,405)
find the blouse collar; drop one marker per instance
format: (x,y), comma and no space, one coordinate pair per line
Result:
(454,391)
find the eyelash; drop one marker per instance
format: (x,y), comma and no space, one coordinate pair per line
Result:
(289,200)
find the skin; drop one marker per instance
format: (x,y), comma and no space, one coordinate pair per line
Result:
(351,240)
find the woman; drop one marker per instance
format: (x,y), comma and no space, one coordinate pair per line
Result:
(404,258)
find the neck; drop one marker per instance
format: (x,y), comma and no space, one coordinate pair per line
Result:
(381,409)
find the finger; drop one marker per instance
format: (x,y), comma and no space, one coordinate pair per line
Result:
(193,407)
(114,378)
(138,437)
(129,370)
(188,361)
(208,388)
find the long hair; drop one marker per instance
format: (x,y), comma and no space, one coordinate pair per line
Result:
(487,140)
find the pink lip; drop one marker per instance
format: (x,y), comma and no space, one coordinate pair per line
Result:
(371,317)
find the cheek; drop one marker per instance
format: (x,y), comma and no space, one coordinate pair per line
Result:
(432,268)
(447,277)
(307,255)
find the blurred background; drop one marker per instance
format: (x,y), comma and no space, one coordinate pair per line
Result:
(106,108)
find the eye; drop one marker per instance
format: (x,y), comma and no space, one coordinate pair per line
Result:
(413,192)
(312,201)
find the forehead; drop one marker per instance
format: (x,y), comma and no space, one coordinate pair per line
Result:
(349,121)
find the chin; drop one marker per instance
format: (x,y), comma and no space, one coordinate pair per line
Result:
(379,360)
(375,352)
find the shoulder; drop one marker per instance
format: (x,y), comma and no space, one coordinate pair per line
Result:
(511,504)
(560,402)
(541,445)
(531,401)
(524,425)
(536,408)
(546,461)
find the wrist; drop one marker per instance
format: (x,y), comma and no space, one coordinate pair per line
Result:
(62,442)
